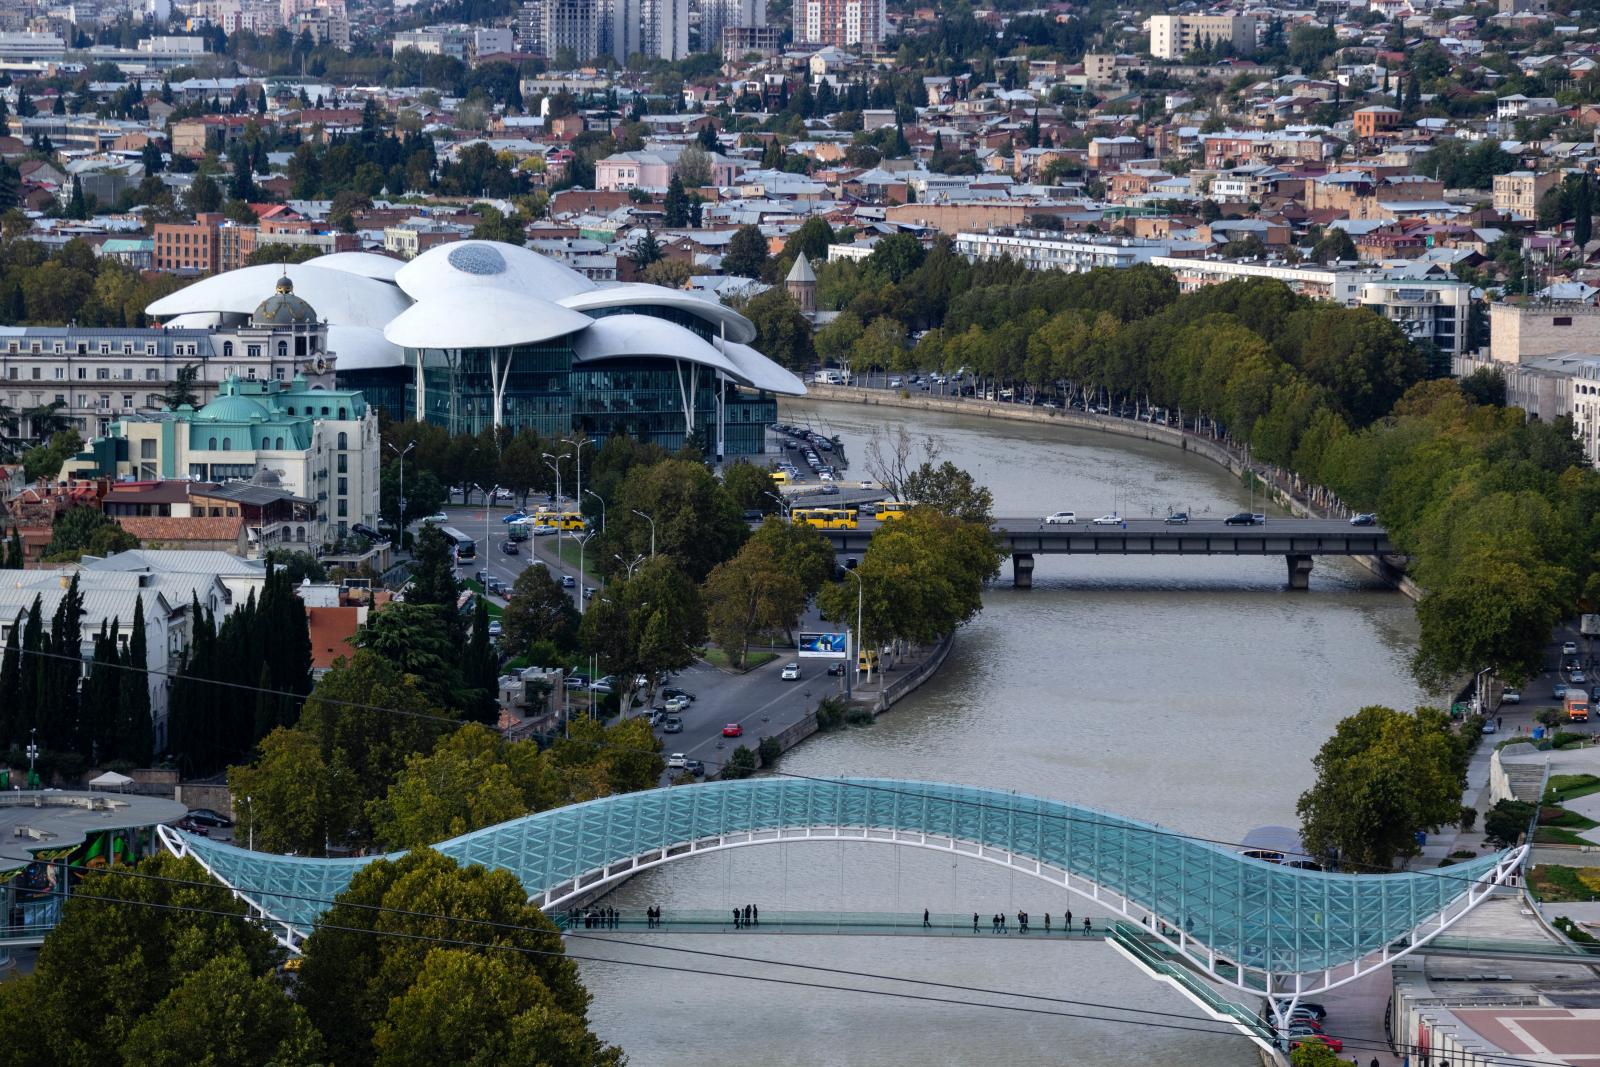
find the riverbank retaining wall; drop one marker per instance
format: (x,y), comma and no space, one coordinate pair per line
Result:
(1214,451)
(907,683)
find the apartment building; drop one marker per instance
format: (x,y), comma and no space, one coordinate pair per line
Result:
(1049,250)
(1175,36)
(1518,193)
(842,23)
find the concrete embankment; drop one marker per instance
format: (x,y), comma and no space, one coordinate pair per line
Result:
(1214,451)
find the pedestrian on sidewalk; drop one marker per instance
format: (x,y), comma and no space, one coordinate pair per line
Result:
(736,918)
(1499,721)
(974,922)
(925,921)
(1067,922)
(1047,922)
(755,914)
(1088,927)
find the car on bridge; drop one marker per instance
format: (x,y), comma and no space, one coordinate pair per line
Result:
(1178,518)
(1243,518)
(1112,519)
(1365,518)
(791,672)
(1061,518)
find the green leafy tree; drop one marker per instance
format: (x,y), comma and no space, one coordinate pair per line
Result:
(495,225)
(393,1000)
(467,782)
(122,947)
(949,489)
(481,669)
(300,799)
(802,551)
(433,577)
(749,595)
(181,390)
(748,486)
(1507,822)
(224,1013)
(85,529)
(1384,776)
(647,624)
(538,610)
(746,256)
(782,332)
(677,508)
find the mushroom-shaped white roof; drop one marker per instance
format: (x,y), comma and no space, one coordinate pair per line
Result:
(492,265)
(623,336)
(759,372)
(337,296)
(365,264)
(637,294)
(363,348)
(475,317)
(199,320)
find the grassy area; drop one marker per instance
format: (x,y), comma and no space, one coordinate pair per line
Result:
(1552,883)
(1571,820)
(1565,787)
(718,658)
(1556,835)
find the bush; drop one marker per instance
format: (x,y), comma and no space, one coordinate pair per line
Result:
(1469,817)
(769,751)
(1507,821)
(1563,740)
(830,714)
(742,764)
(859,717)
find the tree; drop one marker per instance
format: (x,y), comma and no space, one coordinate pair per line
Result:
(675,208)
(86,529)
(695,520)
(433,577)
(1314,1054)
(223,1013)
(951,490)
(694,167)
(181,390)
(77,206)
(495,225)
(464,784)
(1495,606)
(749,595)
(1507,821)
(645,250)
(1335,245)
(135,733)
(394,1000)
(301,800)
(812,238)
(835,340)
(646,624)
(802,551)
(123,945)
(896,256)
(750,487)
(1383,777)
(481,670)
(782,332)
(538,610)
(672,273)
(746,256)
(203,195)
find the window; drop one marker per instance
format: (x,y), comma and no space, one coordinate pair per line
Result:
(212,444)
(344,509)
(344,486)
(344,440)
(227,444)
(127,400)
(283,349)
(151,374)
(253,351)
(227,350)
(1561,320)
(344,462)
(83,372)
(102,374)
(105,401)
(147,448)
(61,373)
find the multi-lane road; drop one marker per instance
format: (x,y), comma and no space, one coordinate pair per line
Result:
(761,702)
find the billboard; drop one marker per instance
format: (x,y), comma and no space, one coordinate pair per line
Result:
(1589,625)
(824,646)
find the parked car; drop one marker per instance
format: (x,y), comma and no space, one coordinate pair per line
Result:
(791,672)
(672,691)
(207,817)
(1365,518)
(1306,1036)
(695,767)
(1178,518)
(677,761)
(495,629)
(733,729)
(1112,519)
(576,681)
(1511,696)
(673,725)
(1061,518)
(835,669)
(1243,518)
(676,704)
(437,516)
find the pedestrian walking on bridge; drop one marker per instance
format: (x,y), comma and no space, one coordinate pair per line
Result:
(736,923)
(1088,927)
(974,922)
(925,921)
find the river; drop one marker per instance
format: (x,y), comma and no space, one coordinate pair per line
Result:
(1189,692)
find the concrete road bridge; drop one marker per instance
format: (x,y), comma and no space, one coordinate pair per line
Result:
(1296,540)
(1258,928)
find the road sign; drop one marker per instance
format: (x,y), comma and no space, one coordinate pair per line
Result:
(1589,625)
(824,646)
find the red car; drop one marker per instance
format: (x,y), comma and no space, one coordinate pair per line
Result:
(1333,1043)
(733,729)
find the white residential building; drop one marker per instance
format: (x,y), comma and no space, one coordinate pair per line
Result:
(1048,250)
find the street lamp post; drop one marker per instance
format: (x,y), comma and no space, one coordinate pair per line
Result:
(251,835)
(33,754)
(652,523)
(629,567)
(555,465)
(855,650)
(783,505)
(488,498)
(583,542)
(577,459)
(602,503)
(401,518)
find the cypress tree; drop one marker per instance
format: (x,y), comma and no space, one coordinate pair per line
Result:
(33,668)
(1583,210)
(58,711)
(11,682)
(266,703)
(135,731)
(102,691)
(482,669)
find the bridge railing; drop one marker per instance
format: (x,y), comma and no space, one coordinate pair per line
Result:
(831,922)
(1158,958)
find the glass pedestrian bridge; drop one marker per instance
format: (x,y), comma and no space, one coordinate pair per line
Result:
(1258,927)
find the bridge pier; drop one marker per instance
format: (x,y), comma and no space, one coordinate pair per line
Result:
(1299,571)
(1022,570)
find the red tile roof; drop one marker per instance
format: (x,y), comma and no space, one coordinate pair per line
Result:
(331,631)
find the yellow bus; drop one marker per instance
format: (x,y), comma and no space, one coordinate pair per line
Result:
(891,509)
(825,518)
(561,520)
